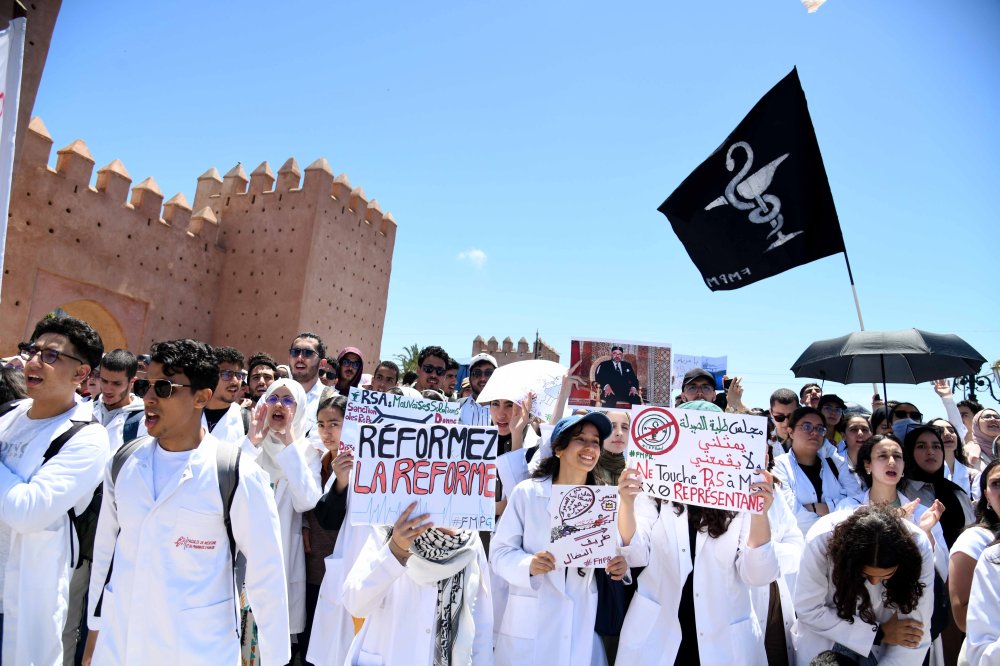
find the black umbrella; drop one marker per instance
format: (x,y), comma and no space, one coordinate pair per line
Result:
(909,356)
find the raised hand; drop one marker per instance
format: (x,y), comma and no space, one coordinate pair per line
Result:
(258,424)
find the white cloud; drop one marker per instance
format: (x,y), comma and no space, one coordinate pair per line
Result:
(473,256)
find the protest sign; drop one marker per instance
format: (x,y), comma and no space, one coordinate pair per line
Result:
(448,469)
(714,364)
(616,374)
(11,61)
(584,528)
(696,457)
(365,406)
(513,382)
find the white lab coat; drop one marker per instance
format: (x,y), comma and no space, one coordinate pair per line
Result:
(799,491)
(230,426)
(295,494)
(818,626)
(399,612)
(333,626)
(788,545)
(548,619)
(114,421)
(34,501)
(982,625)
(724,570)
(940,546)
(170,599)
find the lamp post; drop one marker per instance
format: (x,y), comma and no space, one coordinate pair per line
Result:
(970,383)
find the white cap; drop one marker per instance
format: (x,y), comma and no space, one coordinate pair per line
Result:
(479,358)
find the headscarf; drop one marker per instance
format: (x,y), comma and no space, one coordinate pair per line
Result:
(985,442)
(271,446)
(356,381)
(451,563)
(953,518)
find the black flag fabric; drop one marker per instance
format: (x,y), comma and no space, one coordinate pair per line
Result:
(761,203)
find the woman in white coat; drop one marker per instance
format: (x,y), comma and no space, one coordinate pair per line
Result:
(865,588)
(983,636)
(693,602)
(550,613)
(809,479)
(293,466)
(425,595)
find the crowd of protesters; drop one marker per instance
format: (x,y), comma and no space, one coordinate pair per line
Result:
(187,505)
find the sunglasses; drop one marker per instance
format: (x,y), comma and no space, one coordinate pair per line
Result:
(809,428)
(350,364)
(230,375)
(27,351)
(780,418)
(163,388)
(295,352)
(481,373)
(433,369)
(902,414)
(286,401)
(329,375)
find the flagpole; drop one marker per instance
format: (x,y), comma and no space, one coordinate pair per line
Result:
(861,321)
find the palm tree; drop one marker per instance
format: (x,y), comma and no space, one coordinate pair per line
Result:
(408,359)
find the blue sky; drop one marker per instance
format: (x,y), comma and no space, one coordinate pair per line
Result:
(544,136)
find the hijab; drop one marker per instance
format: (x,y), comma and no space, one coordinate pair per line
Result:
(356,381)
(984,441)
(271,446)
(953,518)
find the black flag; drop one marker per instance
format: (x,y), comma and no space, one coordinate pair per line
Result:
(761,203)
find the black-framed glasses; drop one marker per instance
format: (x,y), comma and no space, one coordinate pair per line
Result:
(809,428)
(163,388)
(477,373)
(27,351)
(700,388)
(347,363)
(989,417)
(286,400)
(904,414)
(433,369)
(304,352)
(230,375)
(330,375)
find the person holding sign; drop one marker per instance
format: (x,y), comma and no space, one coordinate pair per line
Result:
(810,475)
(424,592)
(550,613)
(693,604)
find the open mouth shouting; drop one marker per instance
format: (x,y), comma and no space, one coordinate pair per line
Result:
(152,419)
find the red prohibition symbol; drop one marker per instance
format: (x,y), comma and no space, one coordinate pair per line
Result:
(655,431)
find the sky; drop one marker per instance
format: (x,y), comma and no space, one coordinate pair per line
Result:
(523,149)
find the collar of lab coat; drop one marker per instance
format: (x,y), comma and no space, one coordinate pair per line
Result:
(144,462)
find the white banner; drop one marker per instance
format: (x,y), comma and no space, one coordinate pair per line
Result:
(364,406)
(515,381)
(11,61)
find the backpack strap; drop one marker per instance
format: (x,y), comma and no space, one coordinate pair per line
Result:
(131,428)
(123,453)
(833,468)
(8,407)
(227,462)
(54,446)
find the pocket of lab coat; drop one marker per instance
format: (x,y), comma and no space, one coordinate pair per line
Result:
(643,613)
(742,634)
(368,659)
(213,632)
(520,619)
(196,538)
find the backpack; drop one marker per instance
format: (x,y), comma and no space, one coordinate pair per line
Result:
(84,524)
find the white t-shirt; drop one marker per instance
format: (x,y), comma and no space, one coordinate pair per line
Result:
(166,464)
(973,542)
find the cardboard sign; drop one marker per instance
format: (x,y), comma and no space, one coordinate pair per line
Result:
(611,378)
(701,458)
(448,469)
(513,382)
(584,525)
(714,364)
(365,406)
